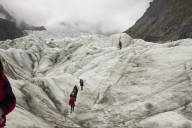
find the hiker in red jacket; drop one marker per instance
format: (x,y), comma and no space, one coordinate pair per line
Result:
(72,101)
(7,98)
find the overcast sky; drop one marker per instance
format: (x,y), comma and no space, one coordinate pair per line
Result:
(86,15)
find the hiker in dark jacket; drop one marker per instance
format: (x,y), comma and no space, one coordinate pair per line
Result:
(120,44)
(72,101)
(7,98)
(81,84)
(75,90)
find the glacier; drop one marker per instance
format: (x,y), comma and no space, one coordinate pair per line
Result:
(143,85)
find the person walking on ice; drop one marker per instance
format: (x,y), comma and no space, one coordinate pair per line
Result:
(81,84)
(72,101)
(120,44)
(75,90)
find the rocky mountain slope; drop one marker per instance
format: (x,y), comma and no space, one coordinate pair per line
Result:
(8,30)
(5,14)
(164,20)
(25,26)
(143,85)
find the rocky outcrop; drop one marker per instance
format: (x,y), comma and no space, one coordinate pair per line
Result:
(5,13)
(25,26)
(164,20)
(8,30)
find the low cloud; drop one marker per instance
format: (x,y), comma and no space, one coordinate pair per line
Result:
(101,16)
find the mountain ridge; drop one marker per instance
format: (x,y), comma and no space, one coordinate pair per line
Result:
(10,29)
(164,20)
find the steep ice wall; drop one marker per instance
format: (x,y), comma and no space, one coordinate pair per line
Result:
(143,85)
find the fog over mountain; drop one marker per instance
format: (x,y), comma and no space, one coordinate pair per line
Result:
(101,16)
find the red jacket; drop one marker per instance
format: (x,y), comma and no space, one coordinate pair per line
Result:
(7,98)
(72,100)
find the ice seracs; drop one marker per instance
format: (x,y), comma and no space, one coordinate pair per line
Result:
(138,86)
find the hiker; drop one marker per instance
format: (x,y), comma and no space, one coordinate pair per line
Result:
(72,101)
(75,90)
(81,84)
(7,98)
(120,44)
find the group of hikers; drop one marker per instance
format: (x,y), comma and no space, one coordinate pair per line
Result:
(8,99)
(73,95)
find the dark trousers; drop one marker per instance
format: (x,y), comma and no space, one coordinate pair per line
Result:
(72,108)
(81,87)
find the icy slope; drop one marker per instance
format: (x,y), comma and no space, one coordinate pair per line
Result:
(144,85)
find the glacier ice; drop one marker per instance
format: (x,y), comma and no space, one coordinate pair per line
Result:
(143,85)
